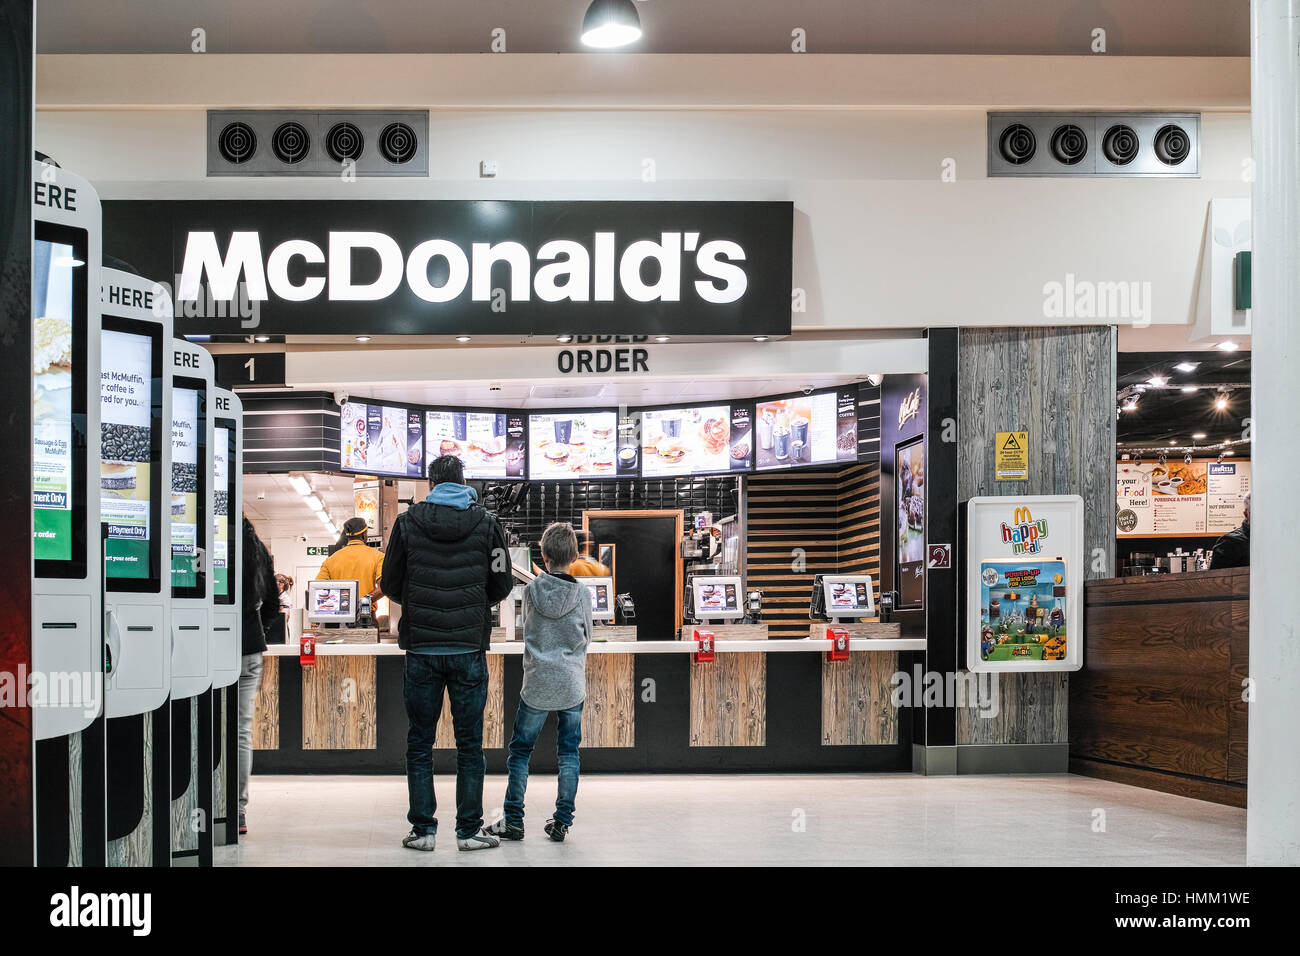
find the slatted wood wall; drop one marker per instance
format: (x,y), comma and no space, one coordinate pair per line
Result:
(804,523)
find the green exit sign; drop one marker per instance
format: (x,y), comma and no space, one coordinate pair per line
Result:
(322,552)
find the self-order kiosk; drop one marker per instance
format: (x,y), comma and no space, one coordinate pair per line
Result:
(66,684)
(134,494)
(191,501)
(227,596)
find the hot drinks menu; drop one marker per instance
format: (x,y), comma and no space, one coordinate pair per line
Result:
(1179,498)
(816,429)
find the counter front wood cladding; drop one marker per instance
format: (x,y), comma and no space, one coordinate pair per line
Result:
(1159,702)
(729,693)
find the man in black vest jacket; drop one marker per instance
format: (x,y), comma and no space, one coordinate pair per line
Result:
(447,564)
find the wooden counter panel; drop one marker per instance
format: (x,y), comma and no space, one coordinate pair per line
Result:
(729,632)
(266,708)
(857,709)
(609,714)
(729,701)
(1169,639)
(1170,588)
(494,714)
(1032,709)
(871,630)
(338,703)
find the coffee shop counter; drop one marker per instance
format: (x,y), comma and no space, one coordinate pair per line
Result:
(759,705)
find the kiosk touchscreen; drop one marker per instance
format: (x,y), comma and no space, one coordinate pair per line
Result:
(717,597)
(602,597)
(845,596)
(227,536)
(332,602)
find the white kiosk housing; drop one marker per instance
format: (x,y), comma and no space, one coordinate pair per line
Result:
(227,595)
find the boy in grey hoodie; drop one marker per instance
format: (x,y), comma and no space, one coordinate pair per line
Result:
(557,630)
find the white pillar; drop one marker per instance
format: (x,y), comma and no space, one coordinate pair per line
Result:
(1273,788)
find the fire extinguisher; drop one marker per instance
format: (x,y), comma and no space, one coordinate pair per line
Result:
(839,639)
(307,651)
(706,651)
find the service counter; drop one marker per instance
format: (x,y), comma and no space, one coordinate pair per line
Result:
(759,705)
(1160,700)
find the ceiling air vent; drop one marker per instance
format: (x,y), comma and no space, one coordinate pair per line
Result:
(348,143)
(237,143)
(397,142)
(345,141)
(291,142)
(1094,144)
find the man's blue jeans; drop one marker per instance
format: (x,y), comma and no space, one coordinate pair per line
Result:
(465,679)
(568,735)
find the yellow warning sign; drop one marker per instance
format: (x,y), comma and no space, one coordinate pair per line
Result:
(1012,458)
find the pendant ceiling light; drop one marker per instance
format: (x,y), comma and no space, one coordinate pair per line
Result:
(611,23)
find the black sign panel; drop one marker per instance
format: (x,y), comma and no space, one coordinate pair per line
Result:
(249,369)
(464,267)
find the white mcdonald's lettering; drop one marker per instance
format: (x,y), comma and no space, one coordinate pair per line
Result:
(574,273)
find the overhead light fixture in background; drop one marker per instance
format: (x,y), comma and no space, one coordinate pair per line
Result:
(1187,459)
(1131,405)
(1158,381)
(1221,403)
(1187,366)
(314,503)
(462,338)
(662,338)
(1190,388)
(875,379)
(1228,346)
(760,338)
(564,339)
(300,484)
(611,23)
(1198,436)
(363,338)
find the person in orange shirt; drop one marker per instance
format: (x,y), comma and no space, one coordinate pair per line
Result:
(587,565)
(355,561)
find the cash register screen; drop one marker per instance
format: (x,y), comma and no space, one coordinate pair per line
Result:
(717,597)
(332,602)
(602,597)
(848,595)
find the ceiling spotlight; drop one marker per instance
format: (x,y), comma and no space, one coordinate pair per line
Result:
(875,379)
(314,503)
(1228,346)
(300,484)
(611,23)
(1158,381)
(462,338)
(1187,366)
(760,338)
(363,338)
(1221,403)
(1173,441)
(1198,436)
(1189,388)
(662,338)
(564,338)
(261,338)
(1229,452)
(1131,405)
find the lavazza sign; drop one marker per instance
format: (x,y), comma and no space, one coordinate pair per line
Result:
(435,267)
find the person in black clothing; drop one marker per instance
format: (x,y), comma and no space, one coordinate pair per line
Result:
(1233,549)
(447,565)
(261,606)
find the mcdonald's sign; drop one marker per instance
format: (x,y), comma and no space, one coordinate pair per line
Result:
(1024,533)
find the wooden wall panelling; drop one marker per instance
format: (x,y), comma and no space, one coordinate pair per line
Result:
(339,703)
(1057,384)
(609,714)
(729,701)
(494,714)
(857,709)
(1239,660)
(266,708)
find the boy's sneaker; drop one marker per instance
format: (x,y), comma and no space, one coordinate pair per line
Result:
(418,841)
(506,830)
(243,824)
(478,841)
(556,830)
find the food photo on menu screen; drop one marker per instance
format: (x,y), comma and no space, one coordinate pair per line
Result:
(489,444)
(798,430)
(126,410)
(52,287)
(718,597)
(849,596)
(696,440)
(333,601)
(909,486)
(381,440)
(577,444)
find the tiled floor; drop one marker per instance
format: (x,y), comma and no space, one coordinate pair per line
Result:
(757,820)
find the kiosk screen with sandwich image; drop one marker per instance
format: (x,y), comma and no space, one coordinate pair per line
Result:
(717,597)
(848,595)
(332,602)
(602,597)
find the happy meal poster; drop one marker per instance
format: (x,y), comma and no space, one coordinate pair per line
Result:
(1023,609)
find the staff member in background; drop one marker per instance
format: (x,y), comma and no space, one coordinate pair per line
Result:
(355,561)
(1233,549)
(587,564)
(277,632)
(261,609)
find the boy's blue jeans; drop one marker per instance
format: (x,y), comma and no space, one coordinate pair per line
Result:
(528,724)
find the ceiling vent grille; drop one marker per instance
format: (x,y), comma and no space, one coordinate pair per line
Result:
(318,143)
(1094,144)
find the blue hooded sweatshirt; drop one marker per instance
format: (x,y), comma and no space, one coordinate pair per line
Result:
(452,495)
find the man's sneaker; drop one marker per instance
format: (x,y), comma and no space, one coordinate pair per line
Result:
(243,824)
(478,841)
(418,841)
(505,830)
(556,830)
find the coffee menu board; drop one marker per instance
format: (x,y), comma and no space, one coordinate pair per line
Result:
(379,439)
(126,448)
(695,440)
(572,444)
(794,431)
(1178,498)
(490,444)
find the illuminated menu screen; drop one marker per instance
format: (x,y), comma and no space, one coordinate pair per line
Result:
(221,441)
(489,444)
(697,440)
(799,430)
(126,453)
(381,440)
(572,444)
(186,506)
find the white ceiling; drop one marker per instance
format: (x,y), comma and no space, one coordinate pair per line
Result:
(278,511)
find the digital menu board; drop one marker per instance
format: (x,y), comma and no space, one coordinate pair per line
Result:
(128,391)
(187,485)
(223,435)
(381,440)
(572,444)
(909,507)
(490,444)
(798,430)
(695,440)
(58,400)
